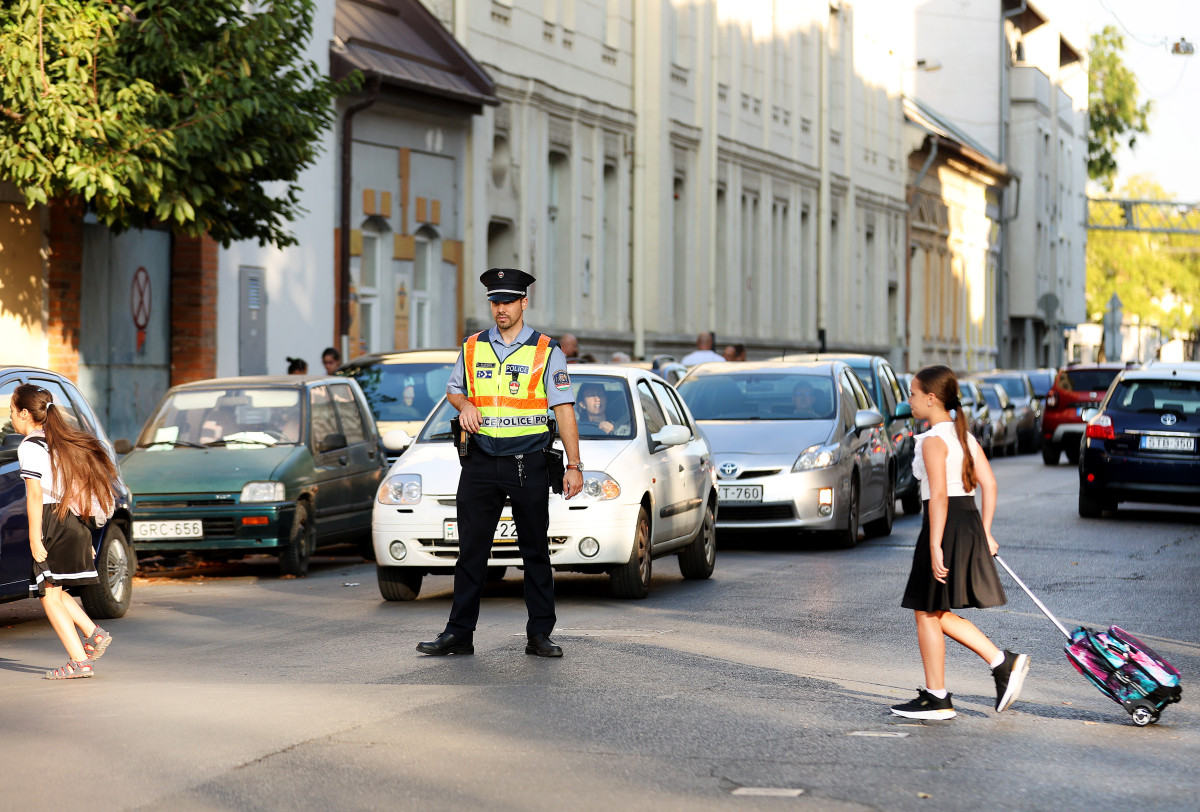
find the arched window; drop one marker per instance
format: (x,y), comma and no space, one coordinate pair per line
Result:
(427,263)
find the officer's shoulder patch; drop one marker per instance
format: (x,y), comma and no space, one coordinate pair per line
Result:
(562,380)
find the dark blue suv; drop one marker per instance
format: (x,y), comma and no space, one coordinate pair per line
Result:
(115,561)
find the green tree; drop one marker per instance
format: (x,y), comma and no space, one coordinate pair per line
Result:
(1115,117)
(197,113)
(1156,276)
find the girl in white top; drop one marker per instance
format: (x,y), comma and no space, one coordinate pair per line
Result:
(68,477)
(952,563)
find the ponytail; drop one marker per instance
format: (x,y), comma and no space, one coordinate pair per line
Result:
(968,472)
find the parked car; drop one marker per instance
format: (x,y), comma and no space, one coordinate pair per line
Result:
(1001,412)
(115,561)
(1027,407)
(1042,380)
(670,371)
(1077,388)
(797,446)
(648,492)
(1142,443)
(280,464)
(979,414)
(402,387)
(890,397)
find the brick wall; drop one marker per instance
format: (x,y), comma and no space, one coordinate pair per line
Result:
(64,279)
(193,309)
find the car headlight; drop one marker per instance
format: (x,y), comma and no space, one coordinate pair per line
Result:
(817,456)
(262,492)
(600,486)
(402,489)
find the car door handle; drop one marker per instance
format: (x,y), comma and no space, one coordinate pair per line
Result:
(342,460)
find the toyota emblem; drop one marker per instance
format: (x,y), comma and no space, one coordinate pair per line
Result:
(1168,419)
(728,470)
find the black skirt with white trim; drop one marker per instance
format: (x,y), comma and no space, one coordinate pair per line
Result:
(972,580)
(70,559)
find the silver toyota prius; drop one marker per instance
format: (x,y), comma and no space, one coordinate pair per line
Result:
(797,446)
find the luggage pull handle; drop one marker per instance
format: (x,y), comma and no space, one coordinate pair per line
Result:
(1040,605)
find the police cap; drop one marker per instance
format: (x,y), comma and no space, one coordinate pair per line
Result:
(506,284)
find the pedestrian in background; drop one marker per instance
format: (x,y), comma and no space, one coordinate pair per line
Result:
(297,366)
(68,478)
(569,345)
(703,352)
(952,564)
(332,359)
(502,384)
(735,352)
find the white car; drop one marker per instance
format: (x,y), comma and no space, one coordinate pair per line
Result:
(649,491)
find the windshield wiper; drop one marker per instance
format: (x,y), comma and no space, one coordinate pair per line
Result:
(173,443)
(441,435)
(236,440)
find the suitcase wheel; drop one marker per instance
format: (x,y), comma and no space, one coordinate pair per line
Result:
(1143,713)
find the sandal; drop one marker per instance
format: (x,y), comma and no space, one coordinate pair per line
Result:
(95,643)
(72,670)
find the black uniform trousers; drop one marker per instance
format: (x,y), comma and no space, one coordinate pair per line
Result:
(483,484)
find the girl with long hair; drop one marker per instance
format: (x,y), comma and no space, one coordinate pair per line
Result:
(68,478)
(952,564)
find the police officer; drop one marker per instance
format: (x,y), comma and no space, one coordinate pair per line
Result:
(502,384)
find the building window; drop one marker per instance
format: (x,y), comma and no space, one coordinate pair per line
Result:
(426,262)
(558,225)
(369,272)
(608,268)
(681,279)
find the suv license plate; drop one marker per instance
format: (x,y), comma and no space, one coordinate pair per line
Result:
(506,531)
(191,529)
(740,493)
(1152,442)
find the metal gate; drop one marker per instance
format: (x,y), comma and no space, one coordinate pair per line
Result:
(124,322)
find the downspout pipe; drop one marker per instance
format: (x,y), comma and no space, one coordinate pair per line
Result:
(343,269)
(1002,323)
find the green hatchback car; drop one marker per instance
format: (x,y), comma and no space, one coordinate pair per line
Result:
(280,464)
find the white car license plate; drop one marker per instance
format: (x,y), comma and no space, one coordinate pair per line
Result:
(190,529)
(506,531)
(740,493)
(1152,442)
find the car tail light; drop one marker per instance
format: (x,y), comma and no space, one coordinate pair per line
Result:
(1052,400)
(1101,428)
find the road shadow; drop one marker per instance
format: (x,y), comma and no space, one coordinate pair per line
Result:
(20,668)
(164,569)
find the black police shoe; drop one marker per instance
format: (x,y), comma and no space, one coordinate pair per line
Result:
(446,643)
(542,646)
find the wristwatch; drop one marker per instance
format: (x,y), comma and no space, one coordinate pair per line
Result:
(578,466)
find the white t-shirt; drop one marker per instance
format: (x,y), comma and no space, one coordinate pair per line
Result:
(34,458)
(700,357)
(954,459)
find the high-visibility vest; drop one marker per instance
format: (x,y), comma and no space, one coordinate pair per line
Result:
(510,394)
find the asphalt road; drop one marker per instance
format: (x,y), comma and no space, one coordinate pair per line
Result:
(231,688)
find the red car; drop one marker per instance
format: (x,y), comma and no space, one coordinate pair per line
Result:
(1077,388)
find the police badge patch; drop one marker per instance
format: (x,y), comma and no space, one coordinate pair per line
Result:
(514,387)
(562,380)
(483,373)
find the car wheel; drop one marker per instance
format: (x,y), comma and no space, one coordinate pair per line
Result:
(911,502)
(293,559)
(1090,506)
(697,560)
(1050,453)
(115,563)
(496,574)
(883,525)
(631,580)
(848,537)
(399,583)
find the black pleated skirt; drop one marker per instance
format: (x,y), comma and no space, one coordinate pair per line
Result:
(69,560)
(973,580)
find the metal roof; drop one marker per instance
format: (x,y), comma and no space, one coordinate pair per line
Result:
(401,41)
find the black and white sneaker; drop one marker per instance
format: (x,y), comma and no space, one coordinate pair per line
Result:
(1009,676)
(926,706)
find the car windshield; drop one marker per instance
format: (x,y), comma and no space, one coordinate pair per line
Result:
(760,396)
(603,411)
(397,392)
(1013,387)
(1095,380)
(1042,381)
(234,417)
(1173,396)
(990,397)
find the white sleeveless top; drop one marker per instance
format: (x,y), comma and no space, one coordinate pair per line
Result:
(954,459)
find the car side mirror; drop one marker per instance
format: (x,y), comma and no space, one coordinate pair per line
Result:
(397,440)
(903,410)
(122,445)
(672,435)
(867,419)
(332,442)
(1088,414)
